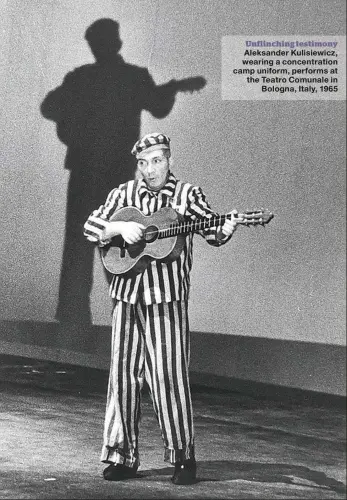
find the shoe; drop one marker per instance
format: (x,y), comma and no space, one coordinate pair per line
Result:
(119,472)
(185,472)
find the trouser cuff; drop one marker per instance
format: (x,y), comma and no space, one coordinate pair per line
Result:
(179,455)
(118,456)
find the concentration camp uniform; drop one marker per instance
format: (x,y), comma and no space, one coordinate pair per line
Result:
(150,329)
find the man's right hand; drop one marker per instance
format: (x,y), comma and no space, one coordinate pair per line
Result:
(130,231)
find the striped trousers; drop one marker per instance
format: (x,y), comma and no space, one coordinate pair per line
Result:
(149,342)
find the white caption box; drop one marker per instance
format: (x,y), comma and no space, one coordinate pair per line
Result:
(283,67)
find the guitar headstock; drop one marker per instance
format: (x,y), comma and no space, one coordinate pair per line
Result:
(255,217)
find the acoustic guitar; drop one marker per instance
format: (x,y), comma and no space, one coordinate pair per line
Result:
(163,237)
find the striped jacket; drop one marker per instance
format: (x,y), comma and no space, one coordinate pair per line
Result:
(161,281)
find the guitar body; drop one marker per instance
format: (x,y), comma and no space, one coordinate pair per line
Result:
(119,257)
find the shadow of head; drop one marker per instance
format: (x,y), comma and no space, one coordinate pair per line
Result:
(103,39)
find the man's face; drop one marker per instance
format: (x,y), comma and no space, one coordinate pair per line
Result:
(154,167)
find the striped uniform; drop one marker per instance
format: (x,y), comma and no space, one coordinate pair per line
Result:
(150,331)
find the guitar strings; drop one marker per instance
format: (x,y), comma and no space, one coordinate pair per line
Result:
(250,218)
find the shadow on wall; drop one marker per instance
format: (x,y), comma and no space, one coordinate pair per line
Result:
(97,109)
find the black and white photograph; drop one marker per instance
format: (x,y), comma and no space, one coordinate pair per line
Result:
(173,256)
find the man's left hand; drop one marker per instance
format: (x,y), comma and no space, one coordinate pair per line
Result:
(230,225)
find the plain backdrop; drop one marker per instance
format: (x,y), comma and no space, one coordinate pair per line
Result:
(286,281)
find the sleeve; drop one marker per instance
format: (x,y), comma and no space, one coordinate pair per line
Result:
(58,100)
(198,207)
(67,105)
(95,224)
(157,99)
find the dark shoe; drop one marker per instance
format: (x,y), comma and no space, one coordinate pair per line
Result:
(185,472)
(119,472)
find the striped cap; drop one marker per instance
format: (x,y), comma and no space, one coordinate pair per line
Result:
(151,142)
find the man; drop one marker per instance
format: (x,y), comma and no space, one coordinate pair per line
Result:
(150,331)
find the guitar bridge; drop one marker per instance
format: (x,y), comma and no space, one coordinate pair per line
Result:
(122,250)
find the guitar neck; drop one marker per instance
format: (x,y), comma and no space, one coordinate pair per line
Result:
(193,226)
(248,218)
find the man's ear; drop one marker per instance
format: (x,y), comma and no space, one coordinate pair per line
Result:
(171,162)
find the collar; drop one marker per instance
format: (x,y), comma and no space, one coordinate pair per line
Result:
(168,189)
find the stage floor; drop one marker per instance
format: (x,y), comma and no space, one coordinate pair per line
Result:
(51,429)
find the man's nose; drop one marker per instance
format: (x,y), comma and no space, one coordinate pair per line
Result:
(150,167)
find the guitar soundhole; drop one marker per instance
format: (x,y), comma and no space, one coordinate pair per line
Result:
(150,234)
